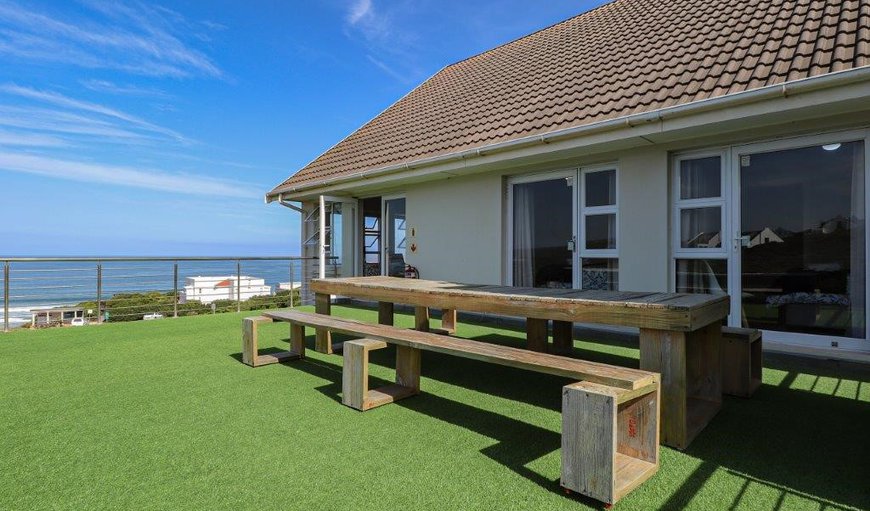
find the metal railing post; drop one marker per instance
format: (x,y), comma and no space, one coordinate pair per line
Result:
(175,290)
(6,296)
(99,293)
(238,286)
(291,283)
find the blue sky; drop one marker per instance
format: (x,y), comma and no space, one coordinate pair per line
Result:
(132,128)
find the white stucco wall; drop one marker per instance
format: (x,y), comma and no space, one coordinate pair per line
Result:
(457,225)
(643,220)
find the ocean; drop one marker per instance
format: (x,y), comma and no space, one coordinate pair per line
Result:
(56,284)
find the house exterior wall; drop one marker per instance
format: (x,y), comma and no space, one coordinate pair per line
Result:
(643,220)
(456,225)
(459,224)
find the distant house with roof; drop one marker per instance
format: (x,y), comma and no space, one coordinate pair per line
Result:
(637,146)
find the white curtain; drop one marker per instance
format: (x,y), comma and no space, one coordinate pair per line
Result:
(524,236)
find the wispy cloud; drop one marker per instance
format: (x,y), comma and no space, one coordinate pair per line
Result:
(389,47)
(30,140)
(108,87)
(359,10)
(138,39)
(124,176)
(85,106)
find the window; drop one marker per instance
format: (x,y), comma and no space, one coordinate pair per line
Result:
(599,263)
(700,256)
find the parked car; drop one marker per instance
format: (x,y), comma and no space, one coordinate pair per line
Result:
(78,322)
(153,315)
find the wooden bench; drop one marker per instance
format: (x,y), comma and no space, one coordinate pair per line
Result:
(741,361)
(250,339)
(610,419)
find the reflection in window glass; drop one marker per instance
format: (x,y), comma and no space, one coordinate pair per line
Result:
(601,232)
(601,188)
(701,227)
(701,178)
(803,267)
(542,227)
(600,274)
(705,276)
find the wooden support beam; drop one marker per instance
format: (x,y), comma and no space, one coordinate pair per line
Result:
(408,367)
(355,372)
(448,320)
(563,337)
(250,344)
(690,367)
(421,319)
(536,334)
(385,313)
(323,339)
(609,440)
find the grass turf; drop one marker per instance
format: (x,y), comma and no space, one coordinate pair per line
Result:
(162,415)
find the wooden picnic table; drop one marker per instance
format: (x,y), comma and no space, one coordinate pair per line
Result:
(680,334)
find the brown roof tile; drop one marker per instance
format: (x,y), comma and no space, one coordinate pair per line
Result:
(624,57)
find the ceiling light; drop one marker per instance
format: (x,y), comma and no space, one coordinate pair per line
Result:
(831,147)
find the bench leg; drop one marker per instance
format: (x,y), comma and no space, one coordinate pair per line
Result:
(250,339)
(408,368)
(355,375)
(609,439)
(323,340)
(448,320)
(536,334)
(421,319)
(385,313)
(563,337)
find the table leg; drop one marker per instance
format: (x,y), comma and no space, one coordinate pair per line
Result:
(421,319)
(536,334)
(563,337)
(385,313)
(323,338)
(448,320)
(689,363)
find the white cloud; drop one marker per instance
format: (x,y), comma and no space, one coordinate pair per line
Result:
(142,40)
(124,176)
(359,9)
(123,89)
(64,101)
(30,140)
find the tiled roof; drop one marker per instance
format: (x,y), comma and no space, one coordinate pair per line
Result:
(625,57)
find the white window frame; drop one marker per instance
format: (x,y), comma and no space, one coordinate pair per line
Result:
(579,212)
(535,178)
(678,204)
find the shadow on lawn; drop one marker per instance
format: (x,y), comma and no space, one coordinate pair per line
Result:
(797,443)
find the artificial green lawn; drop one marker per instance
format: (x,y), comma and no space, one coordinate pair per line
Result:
(162,415)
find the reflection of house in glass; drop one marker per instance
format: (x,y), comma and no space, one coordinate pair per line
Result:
(766,235)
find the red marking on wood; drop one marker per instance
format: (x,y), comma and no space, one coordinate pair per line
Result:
(632,427)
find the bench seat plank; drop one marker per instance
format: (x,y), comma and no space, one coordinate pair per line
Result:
(604,374)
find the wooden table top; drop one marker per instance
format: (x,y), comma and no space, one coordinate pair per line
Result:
(665,311)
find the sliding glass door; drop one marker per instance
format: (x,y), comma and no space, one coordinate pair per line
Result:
(394,237)
(542,231)
(802,240)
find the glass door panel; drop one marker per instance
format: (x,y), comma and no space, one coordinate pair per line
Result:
(802,244)
(542,230)
(371,236)
(394,237)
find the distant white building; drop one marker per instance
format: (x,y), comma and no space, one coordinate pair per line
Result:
(210,289)
(289,286)
(765,236)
